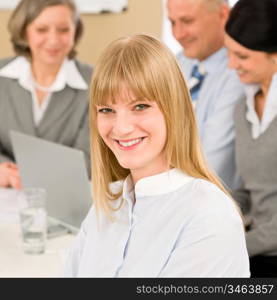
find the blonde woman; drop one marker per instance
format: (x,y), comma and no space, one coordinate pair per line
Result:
(166,215)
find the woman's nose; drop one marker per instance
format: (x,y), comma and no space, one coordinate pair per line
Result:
(53,37)
(123,124)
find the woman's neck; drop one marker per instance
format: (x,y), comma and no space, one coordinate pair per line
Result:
(44,74)
(265,84)
(137,175)
(261,96)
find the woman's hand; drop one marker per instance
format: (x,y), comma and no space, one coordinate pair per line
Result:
(9,175)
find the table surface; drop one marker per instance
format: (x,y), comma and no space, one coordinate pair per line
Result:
(13,261)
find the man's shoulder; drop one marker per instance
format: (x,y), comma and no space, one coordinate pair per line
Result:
(222,78)
(226,77)
(185,63)
(181,58)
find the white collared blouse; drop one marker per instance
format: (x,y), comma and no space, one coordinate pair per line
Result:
(20,69)
(178,226)
(270,110)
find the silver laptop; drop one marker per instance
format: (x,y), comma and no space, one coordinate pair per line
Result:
(59,169)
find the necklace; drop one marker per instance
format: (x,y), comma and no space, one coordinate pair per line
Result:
(41,87)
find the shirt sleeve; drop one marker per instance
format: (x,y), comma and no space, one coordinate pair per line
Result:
(259,239)
(242,197)
(262,239)
(212,245)
(73,255)
(3,157)
(74,252)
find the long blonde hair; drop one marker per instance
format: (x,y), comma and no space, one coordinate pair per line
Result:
(150,71)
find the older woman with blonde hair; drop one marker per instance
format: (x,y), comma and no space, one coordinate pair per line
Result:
(158,209)
(43,89)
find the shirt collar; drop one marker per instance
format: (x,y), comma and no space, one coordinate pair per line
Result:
(128,190)
(250,92)
(68,74)
(270,110)
(252,89)
(210,64)
(159,184)
(272,95)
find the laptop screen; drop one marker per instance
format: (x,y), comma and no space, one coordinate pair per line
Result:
(59,169)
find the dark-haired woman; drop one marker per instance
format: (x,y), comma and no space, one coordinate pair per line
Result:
(251,40)
(43,90)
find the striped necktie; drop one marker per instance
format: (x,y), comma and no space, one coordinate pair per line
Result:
(196,80)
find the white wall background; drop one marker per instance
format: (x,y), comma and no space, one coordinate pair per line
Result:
(167,36)
(85,6)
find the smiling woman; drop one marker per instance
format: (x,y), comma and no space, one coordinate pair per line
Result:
(156,203)
(43,90)
(252,45)
(134,129)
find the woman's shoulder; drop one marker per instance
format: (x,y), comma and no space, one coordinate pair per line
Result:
(209,191)
(8,72)
(240,108)
(208,198)
(204,186)
(5,61)
(85,69)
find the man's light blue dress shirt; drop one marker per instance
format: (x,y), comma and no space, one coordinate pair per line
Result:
(214,108)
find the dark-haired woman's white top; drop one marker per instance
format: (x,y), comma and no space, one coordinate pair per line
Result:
(178,226)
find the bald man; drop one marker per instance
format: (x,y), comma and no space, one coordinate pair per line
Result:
(198,25)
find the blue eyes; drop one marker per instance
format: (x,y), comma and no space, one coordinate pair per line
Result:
(138,107)
(141,107)
(105,110)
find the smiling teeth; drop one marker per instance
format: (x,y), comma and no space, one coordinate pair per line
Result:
(128,144)
(240,71)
